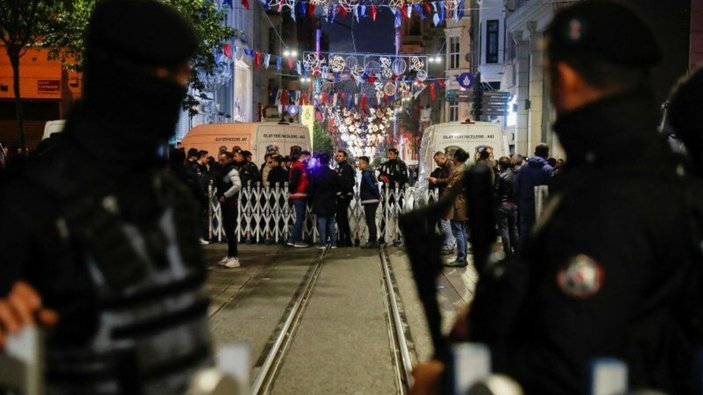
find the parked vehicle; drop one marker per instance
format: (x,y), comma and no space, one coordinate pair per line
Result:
(254,137)
(450,136)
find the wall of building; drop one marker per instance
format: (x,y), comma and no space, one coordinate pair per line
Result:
(461,30)
(490,10)
(674,25)
(670,22)
(525,26)
(47,92)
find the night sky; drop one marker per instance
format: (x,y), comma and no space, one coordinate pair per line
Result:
(371,36)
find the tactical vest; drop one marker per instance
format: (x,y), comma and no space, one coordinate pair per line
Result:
(152,331)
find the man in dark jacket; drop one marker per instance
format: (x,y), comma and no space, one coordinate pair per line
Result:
(344,198)
(535,172)
(113,249)
(201,170)
(325,184)
(441,181)
(394,171)
(251,168)
(506,206)
(608,271)
(370,198)
(277,175)
(247,170)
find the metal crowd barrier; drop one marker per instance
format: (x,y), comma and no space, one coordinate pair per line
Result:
(264,214)
(541,196)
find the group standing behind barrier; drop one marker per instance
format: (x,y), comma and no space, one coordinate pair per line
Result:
(264,215)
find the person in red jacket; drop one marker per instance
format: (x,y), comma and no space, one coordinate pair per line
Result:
(298,195)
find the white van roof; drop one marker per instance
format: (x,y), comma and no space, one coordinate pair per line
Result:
(447,137)
(253,137)
(52,127)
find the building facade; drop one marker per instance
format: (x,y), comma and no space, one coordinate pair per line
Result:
(458,60)
(228,93)
(47,91)
(523,74)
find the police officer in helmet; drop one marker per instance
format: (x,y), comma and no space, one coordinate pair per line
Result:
(606,271)
(109,253)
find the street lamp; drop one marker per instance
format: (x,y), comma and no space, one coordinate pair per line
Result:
(290,53)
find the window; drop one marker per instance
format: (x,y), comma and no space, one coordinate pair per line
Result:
(453,114)
(453,51)
(492,41)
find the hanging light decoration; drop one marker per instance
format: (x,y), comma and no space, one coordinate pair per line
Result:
(361,133)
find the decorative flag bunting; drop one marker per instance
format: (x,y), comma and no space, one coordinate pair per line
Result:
(438,10)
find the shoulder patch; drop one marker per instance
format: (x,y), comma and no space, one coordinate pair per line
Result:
(581,277)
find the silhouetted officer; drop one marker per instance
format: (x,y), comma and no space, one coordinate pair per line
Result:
(608,268)
(113,249)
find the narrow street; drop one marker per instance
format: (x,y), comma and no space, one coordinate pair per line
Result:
(343,342)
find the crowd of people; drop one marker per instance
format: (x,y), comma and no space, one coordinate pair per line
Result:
(109,256)
(327,190)
(514,180)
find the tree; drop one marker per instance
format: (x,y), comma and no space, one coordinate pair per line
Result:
(22,22)
(65,36)
(321,141)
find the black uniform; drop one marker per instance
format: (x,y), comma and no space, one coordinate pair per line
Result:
(395,172)
(249,173)
(113,248)
(344,198)
(608,269)
(506,210)
(277,175)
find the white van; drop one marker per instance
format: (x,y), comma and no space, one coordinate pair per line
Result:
(448,137)
(52,127)
(254,137)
